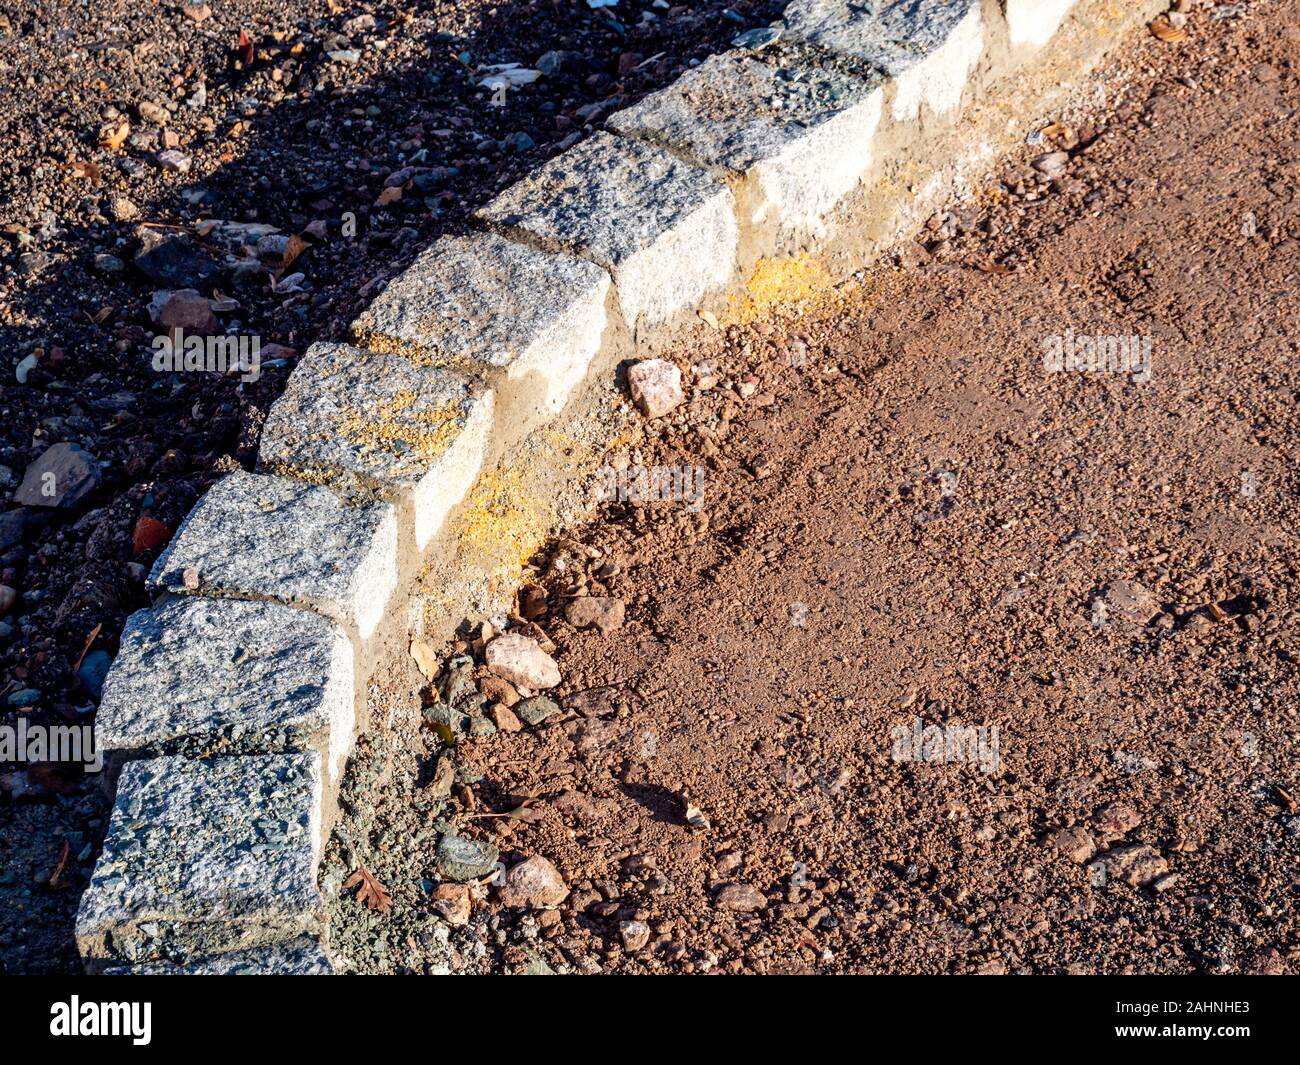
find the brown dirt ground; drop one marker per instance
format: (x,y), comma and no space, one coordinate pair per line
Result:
(906,518)
(330,106)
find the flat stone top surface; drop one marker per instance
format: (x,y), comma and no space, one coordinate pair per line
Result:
(193,667)
(382,418)
(208,842)
(273,537)
(733,110)
(608,196)
(480,298)
(890,34)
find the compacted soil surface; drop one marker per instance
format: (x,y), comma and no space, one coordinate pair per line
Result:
(967,659)
(275,162)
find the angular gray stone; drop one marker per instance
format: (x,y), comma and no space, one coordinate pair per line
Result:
(367,423)
(206,857)
(635,934)
(1032,23)
(461,858)
(458,721)
(484,301)
(301,956)
(62,476)
(804,135)
(536,709)
(197,676)
(12,524)
(264,537)
(929,47)
(667,231)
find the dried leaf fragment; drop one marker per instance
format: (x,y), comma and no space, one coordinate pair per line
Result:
(1166,31)
(294,247)
(94,633)
(113,138)
(63,861)
(527,812)
(372,893)
(1062,134)
(87,170)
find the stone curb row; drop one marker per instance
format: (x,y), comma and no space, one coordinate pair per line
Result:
(234,702)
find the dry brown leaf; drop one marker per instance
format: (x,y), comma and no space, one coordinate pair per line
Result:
(372,893)
(1060,134)
(63,861)
(526,812)
(89,640)
(113,139)
(86,170)
(293,249)
(389,195)
(1166,31)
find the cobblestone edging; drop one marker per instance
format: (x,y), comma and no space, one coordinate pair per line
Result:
(234,703)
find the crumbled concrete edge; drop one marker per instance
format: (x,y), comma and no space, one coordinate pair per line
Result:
(371,452)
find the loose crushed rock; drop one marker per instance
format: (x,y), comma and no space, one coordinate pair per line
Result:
(520,661)
(283,159)
(532,884)
(601,612)
(656,387)
(464,859)
(776,764)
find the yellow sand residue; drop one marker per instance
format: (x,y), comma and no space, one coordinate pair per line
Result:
(503,520)
(898,176)
(426,434)
(510,510)
(781,286)
(626,437)
(570,451)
